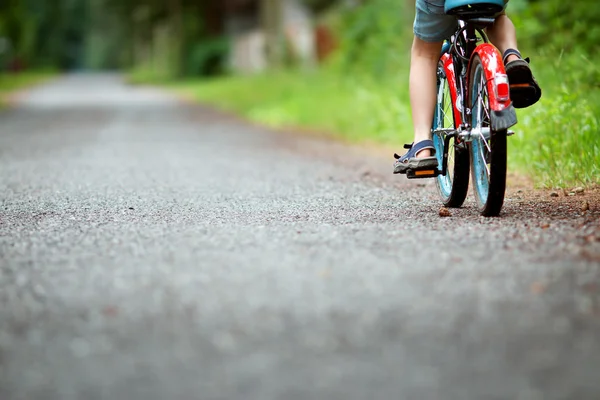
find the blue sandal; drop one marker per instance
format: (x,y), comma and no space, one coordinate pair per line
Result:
(409,161)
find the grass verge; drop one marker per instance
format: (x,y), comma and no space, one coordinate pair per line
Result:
(355,109)
(11,82)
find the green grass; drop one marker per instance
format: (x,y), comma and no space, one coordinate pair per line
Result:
(144,75)
(11,82)
(557,142)
(353,108)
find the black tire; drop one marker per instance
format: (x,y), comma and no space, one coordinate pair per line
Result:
(487,155)
(454,186)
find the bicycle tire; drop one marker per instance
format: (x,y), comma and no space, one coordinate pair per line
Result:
(487,156)
(454,186)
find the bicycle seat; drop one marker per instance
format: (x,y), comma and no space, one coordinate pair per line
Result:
(470,9)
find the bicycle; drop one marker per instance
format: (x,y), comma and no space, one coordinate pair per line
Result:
(473,112)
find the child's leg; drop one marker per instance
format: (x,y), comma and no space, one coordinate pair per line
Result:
(431,27)
(503,35)
(423,88)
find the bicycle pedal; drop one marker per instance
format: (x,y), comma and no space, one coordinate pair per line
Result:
(421,174)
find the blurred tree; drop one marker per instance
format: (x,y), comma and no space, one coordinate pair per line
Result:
(272,21)
(321,5)
(44,33)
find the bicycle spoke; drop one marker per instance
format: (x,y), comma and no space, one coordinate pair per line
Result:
(483,118)
(487,167)
(446,107)
(484,99)
(487,145)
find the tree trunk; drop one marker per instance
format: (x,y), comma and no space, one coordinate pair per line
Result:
(178,38)
(272,22)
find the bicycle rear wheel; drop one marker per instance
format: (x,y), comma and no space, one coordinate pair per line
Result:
(454,186)
(487,148)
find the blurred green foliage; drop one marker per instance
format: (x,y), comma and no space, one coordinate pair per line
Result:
(374,38)
(564,25)
(172,38)
(41,33)
(558,140)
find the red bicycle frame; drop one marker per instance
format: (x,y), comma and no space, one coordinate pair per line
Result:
(448,65)
(503,114)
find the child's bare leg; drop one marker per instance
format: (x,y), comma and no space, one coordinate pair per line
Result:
(504,35)
(423,88)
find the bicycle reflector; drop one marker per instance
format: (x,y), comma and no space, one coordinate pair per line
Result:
(502,87)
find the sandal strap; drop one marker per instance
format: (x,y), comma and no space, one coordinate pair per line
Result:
(423,145)
(511,52)
(414,149)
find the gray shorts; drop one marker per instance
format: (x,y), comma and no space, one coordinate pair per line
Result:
(431,23)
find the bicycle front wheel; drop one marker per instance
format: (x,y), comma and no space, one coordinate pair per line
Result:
(454,186)
(487,147)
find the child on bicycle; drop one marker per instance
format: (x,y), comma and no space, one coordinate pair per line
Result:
(431,27)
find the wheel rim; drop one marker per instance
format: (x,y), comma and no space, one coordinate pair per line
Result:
(480,145)
(443,118)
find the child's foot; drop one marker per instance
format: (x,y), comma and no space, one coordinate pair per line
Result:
(420,156)
(524,89)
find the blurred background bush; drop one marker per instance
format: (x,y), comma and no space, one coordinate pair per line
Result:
(334,65)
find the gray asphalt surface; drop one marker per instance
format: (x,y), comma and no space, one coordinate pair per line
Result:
(156,250)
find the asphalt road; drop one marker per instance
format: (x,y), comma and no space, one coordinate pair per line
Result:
(151,249)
